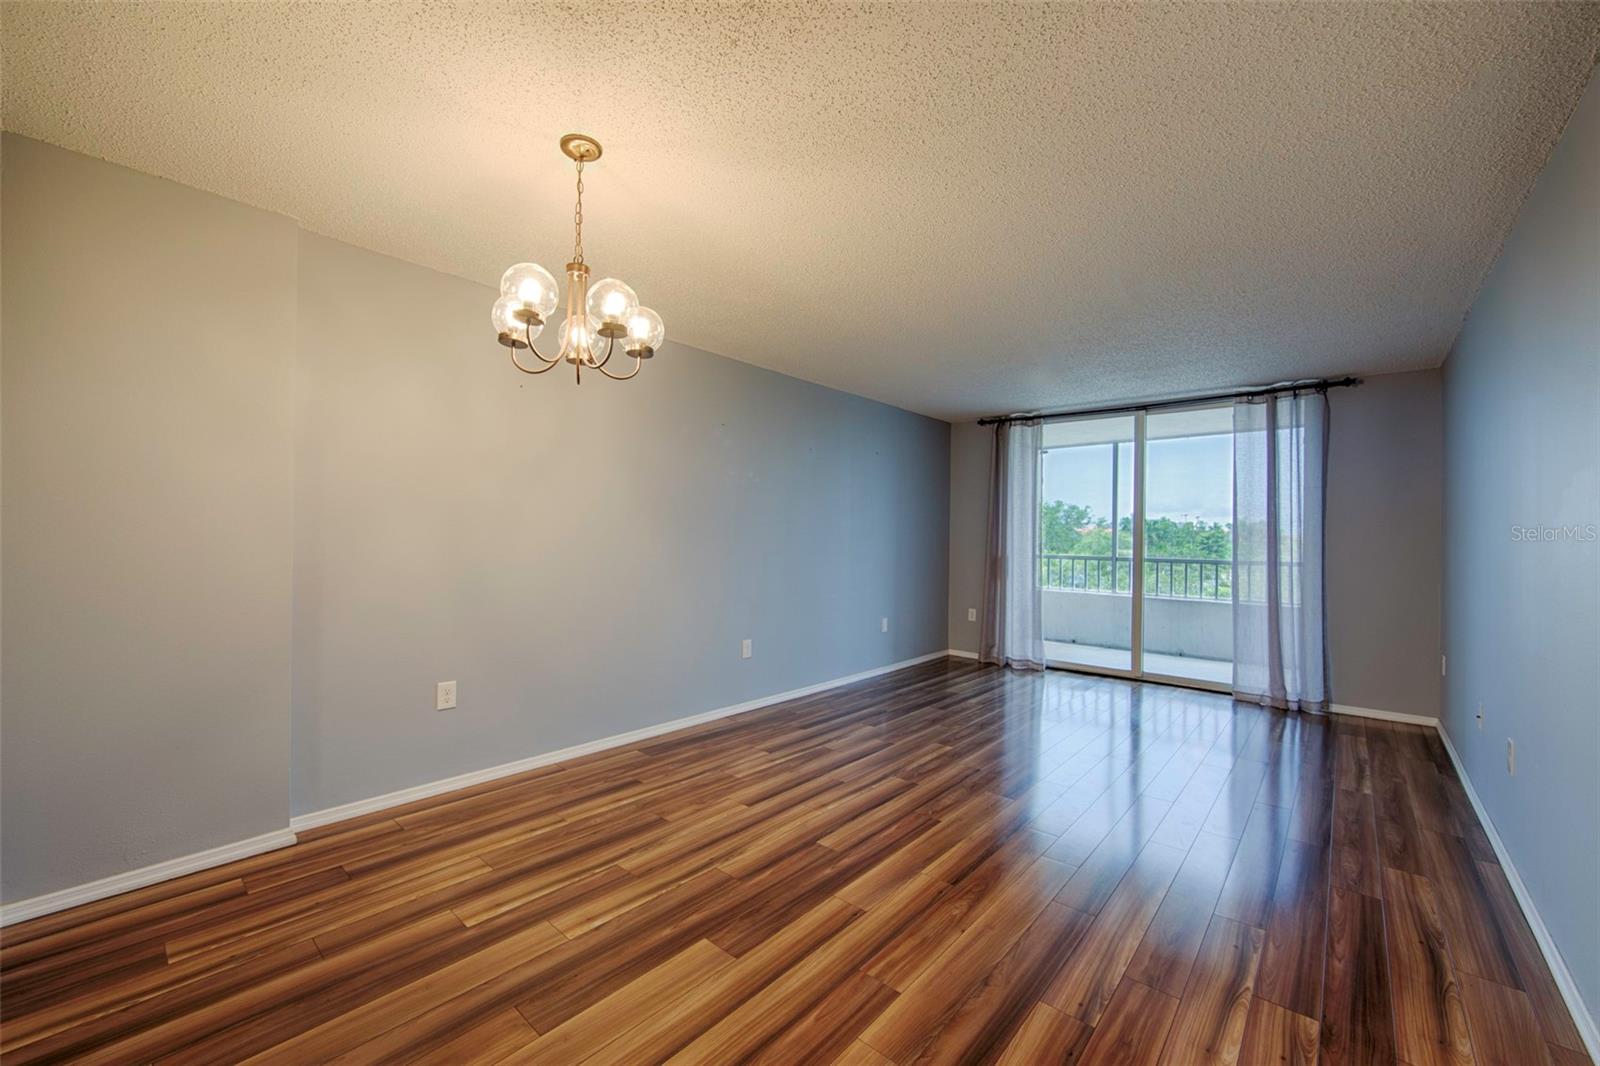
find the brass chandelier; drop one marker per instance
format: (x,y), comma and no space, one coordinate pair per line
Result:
(598,316)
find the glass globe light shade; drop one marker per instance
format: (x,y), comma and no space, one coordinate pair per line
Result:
(504,317)
(533,285)
(576,331)
(611,301)
(645,330)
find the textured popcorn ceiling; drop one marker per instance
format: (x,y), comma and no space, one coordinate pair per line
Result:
(959,209)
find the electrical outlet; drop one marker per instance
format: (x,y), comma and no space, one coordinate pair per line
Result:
(1511,757)
(972,614)
(445,696)
(744,649)
(1480,717)
(883,626)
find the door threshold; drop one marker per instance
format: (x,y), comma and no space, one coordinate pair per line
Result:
(1129,675)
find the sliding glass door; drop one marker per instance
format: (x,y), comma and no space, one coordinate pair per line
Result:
(1136,537)
(1086,542)
(1188,545)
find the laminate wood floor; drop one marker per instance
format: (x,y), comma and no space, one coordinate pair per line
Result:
(950,864)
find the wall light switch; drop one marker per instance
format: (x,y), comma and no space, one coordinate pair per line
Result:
(883,626)
(972,614)
(744,649)
(445,696)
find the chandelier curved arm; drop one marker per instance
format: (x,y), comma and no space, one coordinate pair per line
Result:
(611,344)
(528,336)
(638,362)
(549,364)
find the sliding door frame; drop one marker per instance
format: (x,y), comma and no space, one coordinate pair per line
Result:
(1135,564)
(1136,571)
(1136,671)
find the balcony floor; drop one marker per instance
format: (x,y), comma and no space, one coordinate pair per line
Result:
(1215,671)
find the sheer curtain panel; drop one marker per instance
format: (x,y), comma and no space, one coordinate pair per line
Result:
(1012,631)
(1280,450)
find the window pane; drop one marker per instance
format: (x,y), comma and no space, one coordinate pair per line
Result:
(1086,541)
(1188,544)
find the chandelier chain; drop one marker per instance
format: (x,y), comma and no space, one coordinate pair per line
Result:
(577,220)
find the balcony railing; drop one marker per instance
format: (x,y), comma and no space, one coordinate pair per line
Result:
(1184,579)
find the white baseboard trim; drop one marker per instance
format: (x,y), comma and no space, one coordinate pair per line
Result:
(116,884)
(957,653)
(1384,716)
(1547,945)
(330,815)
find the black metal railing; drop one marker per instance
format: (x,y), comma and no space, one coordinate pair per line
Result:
(1086,573)
(1176,578)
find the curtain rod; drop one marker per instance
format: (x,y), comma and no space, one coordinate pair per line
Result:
(1308,385)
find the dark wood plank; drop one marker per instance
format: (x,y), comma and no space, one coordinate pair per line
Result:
(1094,969)
(487,1041)
(1533,974)
(1357,1003)
(1094,881)
(1356,866)
(859,1054)
(1296,931)
(1248,891)
(1209,1027)
(656,1039)
(900,961)
(1430,1021)
(1046,1035)
(1134,1029)
(1399,839)
(930,1002)
(830,1025)
(1277,1037)
(658,991)
(1476,943)
(1428,799)
(1504,1029)
(263,1015)
(1170,943)
(1353,772)
(772,1019)
(1563,1056)
(982,1024)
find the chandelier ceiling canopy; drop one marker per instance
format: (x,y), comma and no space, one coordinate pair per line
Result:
(598,315)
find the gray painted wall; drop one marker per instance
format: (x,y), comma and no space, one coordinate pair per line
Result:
(583,560)
(1382,540)
(228,443)
(263,490)
(148,333)
(1522,616)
